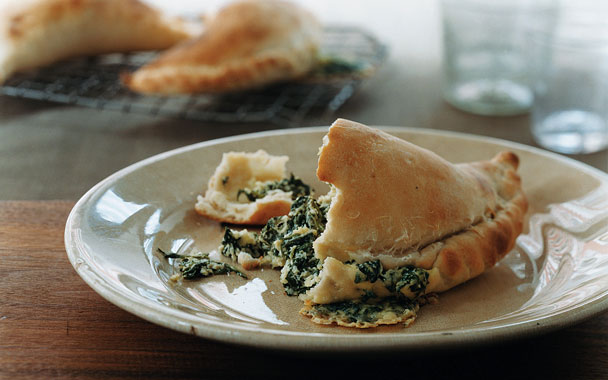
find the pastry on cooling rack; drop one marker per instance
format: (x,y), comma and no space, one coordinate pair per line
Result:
(247,44)
(35,33)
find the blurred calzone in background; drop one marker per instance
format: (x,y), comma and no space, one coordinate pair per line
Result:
(246,44)
(35,33)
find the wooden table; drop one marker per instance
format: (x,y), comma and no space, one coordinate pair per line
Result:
(53,325)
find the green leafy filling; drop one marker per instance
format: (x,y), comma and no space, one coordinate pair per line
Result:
(369,271)
(287,239)
(415,279)
(233,244)
(199,266)
(293,184)
(364,311)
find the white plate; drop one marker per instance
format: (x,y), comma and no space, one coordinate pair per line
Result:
(556,276)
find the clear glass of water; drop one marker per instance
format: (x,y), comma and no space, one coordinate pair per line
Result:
(485,62)
(570,112)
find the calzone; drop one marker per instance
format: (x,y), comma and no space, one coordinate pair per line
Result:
(404,205)
(247,44)
(398,225)
(34,33)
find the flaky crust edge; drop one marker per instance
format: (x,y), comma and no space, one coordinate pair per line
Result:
(469,253)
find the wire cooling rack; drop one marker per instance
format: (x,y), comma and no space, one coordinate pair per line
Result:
(94,82)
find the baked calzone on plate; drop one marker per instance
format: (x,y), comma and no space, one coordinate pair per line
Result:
(404,205)
(34,33)
(247,44)
(398,206)
(398,225)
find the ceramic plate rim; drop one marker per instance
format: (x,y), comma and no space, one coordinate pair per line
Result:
(319,342)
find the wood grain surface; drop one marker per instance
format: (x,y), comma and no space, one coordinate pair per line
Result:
(52,325)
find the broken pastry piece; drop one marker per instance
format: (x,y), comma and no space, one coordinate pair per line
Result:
(247,44)
(250,188)
(34,33)
(405,222)
(399,224)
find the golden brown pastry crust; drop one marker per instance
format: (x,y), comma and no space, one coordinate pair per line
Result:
(34,33)
(478,248)
(247,44)
(404,205)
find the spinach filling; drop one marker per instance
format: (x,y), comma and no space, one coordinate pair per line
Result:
(415,280)
(371,310)
(235,242)
(286,240)
(364,311)
(293,184)
(199,266)
(368,271)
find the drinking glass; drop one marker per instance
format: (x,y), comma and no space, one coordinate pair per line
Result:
(486,67)
(570,112)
